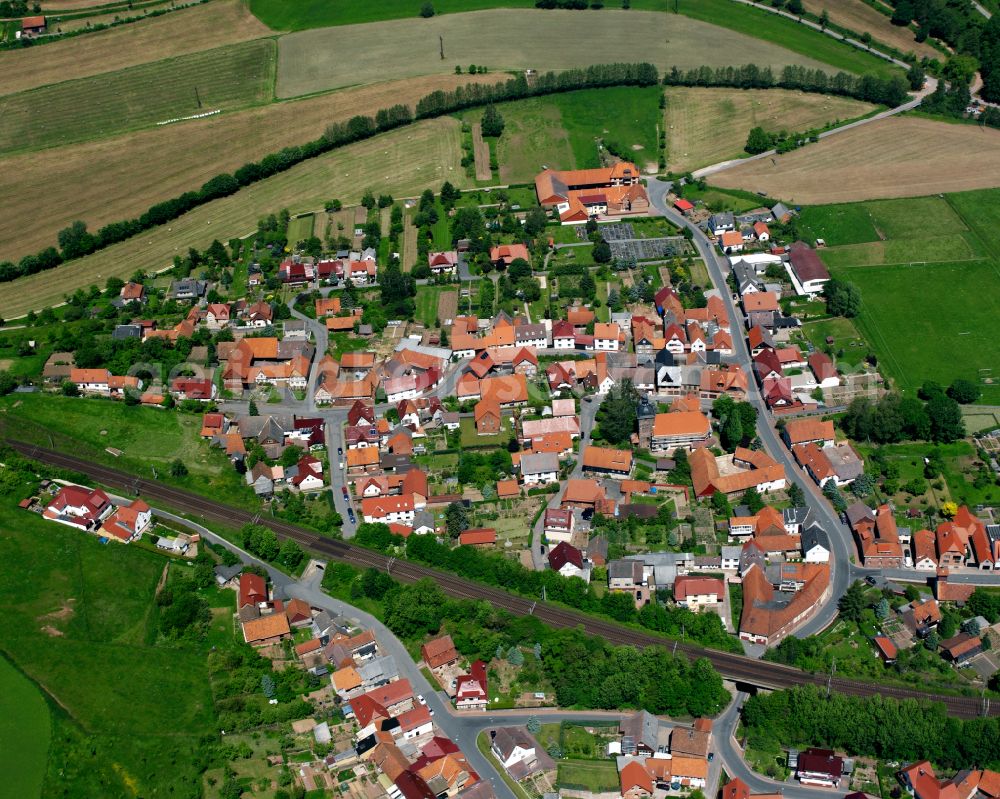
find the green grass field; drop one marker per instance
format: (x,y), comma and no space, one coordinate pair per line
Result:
(300,228)
(909,257)
(950,247)
(597,776)
(427,303)
(228,77)
(471,439)
(147,437)
(845,335)
(561,131)
(25,729)
(858,223)
(128,714)
(902,319)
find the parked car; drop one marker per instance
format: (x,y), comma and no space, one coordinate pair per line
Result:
(350,515)
(421,700)
(343,490)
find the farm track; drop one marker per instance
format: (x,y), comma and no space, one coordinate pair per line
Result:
(731,666)
(481,153)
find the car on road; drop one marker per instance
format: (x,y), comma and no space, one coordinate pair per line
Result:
(421,700)
(870,579)
(350,515)
(343,490)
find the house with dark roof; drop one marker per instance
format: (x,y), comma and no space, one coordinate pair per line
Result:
(568,561)
(806,269)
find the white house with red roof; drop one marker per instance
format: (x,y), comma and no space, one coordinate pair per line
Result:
(79,506)
(389,509)
(128,522)
(443,263)
(309,474)
(471,691)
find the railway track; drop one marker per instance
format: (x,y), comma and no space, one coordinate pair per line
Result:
(732,666)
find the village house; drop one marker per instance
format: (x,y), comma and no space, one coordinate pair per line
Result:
(615,463)
(806,269)
(128,522)
(582,194)
(471,691)
(694,593)
(734,474)
(78,506)
(679,429)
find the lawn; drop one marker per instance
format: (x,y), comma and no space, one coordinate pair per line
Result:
(625,116)
(705,126)
(80,621)
(848,345)
(300,228)
(25,729)
(720,199)
(980,210)
(311,61)
(472,439)
(880,220)
(588,775)
(233,76)
(427,303)
(147,437)
(933,249)
(402,163)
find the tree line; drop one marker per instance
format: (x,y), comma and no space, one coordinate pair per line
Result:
(889,91)
(875,726)
(75,241)
(584,670)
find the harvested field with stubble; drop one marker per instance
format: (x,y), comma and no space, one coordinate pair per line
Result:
(894,157)
(234,76)
(705,126)
(97,181)
(311,61)
(402,163)
(858,16)
(187,31)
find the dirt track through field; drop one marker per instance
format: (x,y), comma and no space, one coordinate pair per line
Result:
(860,17)
(409,242)
(98,182)
(189,30)
(895,157)
(313,60)
(481,150)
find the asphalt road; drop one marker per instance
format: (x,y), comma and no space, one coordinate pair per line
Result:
(841,543)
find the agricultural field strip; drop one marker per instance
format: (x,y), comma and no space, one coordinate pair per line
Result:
(403,163)
(708,125)
(228,77)
(96,181)
(204,27)
(900,156)
(310,61)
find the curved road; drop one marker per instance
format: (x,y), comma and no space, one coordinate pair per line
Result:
(841,543)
